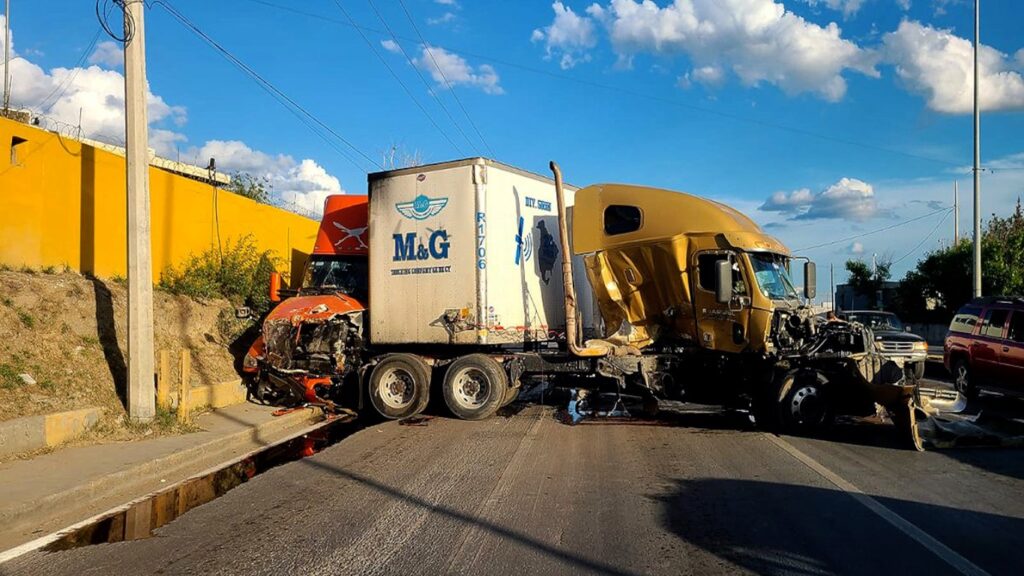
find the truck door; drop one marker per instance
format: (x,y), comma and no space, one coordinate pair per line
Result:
(1012,352)
(721,327)
(986,347)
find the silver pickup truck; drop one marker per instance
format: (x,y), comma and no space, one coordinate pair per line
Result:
(892,339)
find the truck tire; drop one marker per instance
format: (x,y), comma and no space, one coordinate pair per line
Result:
(399,386)
(803,401)
(915,371)
(474,386)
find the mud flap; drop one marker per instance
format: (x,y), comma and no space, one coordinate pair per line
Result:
(905,418)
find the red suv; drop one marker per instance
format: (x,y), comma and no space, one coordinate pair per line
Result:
(985,346)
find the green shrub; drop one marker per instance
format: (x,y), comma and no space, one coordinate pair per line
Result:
(241,274)
(26,319)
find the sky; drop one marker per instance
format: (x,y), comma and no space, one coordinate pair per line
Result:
(839,125)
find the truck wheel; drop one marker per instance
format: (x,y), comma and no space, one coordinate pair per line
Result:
(915,371)
(963,379)
(400,386)
(803,406)
(474,386)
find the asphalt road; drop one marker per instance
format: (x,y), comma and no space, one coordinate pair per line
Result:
(526,494)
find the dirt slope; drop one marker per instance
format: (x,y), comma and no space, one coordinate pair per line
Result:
(68,333)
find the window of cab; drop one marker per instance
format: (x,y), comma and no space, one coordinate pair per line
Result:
(621,219)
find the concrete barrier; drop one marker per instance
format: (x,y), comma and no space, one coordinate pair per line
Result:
(31,433)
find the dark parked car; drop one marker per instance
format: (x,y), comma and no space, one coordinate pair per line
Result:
(892,339)
(985,346)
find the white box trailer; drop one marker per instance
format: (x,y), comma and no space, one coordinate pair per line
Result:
(467,252)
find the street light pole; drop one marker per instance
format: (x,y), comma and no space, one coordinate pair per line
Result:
(141,393)
(977,157)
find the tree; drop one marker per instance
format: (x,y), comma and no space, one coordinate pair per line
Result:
(868,282)
(944,276)
(256,188)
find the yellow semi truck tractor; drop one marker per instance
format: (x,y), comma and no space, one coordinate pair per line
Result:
(483,279)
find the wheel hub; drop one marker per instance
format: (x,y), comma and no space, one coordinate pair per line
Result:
(807,406)
(396,388)
(471,388)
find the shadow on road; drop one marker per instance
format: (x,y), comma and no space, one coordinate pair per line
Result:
(567,557)
(771,528)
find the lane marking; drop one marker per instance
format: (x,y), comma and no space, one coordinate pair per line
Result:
(947,554)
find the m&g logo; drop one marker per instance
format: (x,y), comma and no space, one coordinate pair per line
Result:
(410,247)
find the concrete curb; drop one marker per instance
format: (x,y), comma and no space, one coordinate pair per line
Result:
(217,395)
(85,497)
(31,433)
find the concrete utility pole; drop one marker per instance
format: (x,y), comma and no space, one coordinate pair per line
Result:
(977,157)
(141,391)
(7,56)
(956,213)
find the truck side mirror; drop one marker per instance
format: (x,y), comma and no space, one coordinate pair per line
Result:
(275,286)
(810,280)
(723,281)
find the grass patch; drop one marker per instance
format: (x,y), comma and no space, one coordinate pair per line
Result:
(240,274)
(26,319)
(7,302)
(119,280)
(9,379)
(49,269)
(27,270)
(90,341)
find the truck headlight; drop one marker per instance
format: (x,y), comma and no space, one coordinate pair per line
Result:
(249,362)
(921,346)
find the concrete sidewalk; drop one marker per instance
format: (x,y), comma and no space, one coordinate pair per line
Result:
(55,490)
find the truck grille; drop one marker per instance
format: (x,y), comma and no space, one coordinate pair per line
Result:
(895,347)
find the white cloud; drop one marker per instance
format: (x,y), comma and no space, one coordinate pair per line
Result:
(96,93)
(391,46)
(758,40)
(442,19)
(569,35)
(447,66)
(107,54)
(847,199)
(857,248)
(708,75)
(940,66)
(847,7)
(793,202)
(452,3)
(300,184)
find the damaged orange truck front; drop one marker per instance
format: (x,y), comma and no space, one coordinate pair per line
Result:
(312,338)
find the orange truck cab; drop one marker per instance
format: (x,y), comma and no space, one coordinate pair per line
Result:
(322,310)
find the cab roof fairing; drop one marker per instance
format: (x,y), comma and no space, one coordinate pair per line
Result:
(664,214)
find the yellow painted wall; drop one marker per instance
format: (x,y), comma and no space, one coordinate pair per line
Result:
(63,203)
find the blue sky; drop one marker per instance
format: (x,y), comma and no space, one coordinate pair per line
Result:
(822,119)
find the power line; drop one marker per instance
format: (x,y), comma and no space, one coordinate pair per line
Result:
(70,78)
(397,78)
(423,80)
(925,239)
(427,49)
(854,237)
(627,91)
(304,115)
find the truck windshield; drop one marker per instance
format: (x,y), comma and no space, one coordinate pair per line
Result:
(771,276)
(345,274)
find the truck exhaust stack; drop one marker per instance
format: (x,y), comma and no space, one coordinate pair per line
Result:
(571,332)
